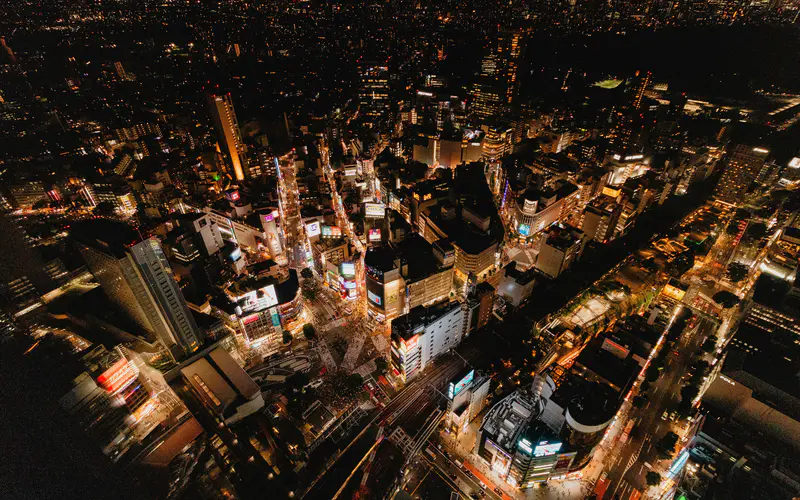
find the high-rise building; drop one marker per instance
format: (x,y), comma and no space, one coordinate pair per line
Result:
(744,166)
(640,82)
(423,334)
(136,277)
(373,96)
(466,398)
(560,247)
(228,128)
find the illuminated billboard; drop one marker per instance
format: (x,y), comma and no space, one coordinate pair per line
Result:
(313,229)
(258,300)
(410,344)
(331,232)
(374,210)
(674,292)
(375,299)
(524,229)
(347,269)
(350,171)
(454,389)
(374,235)
(117,377)
(545,449)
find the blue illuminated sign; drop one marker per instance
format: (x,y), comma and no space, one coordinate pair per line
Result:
(454,389)
(524,229)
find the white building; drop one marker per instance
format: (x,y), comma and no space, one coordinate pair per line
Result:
(423,334)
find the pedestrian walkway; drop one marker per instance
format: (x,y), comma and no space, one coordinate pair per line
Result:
(379,341)
(326,356)
(353,351)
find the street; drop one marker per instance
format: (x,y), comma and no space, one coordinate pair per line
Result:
(627,473)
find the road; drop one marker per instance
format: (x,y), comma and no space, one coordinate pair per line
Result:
(403,410)
(291,222)
(628,469)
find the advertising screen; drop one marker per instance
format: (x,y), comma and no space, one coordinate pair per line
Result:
(374,298)
(524,229)
(374,235)
(331,232)
(347,269)
(313,229)
(117,376)
(350,171)
(545,449)
(374,210)
(258,300)
(455,388)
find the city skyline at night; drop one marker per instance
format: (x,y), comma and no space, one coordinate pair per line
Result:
(335,250)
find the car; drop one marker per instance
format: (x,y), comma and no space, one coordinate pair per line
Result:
(673,416)
(665,416)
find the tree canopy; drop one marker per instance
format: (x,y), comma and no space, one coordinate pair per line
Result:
(726,299)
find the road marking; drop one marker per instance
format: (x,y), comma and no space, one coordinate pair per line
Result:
(422,480)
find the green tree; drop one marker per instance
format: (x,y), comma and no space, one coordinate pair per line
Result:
(309,294)
(309,332)
(381,364)
(737,272)
(652,373)
(297,381)
(709,345)
(666,445)
(104,209)
(653,478)
(287,337)
(755,231)
(353,383)
(726,299)
(307,273)
(732,229)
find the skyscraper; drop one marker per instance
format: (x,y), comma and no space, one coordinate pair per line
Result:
(497,83)
(373,96)
(640,82)
(228,127)
(744,166)
(136,277)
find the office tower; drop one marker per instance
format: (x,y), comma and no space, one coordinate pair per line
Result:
(640,82)
(497,83)
(744,166)
(136,277)
(373,96)
(228,127)
(509,51)
(486,99)
(23,278)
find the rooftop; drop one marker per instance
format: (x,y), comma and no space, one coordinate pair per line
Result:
(508,419)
